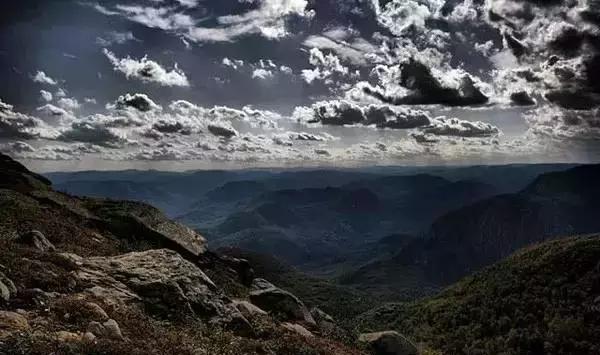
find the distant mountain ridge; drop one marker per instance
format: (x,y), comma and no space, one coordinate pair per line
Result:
(320,220)
(465,240)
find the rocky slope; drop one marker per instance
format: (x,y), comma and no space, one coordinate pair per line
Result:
(543,299)
(97,276)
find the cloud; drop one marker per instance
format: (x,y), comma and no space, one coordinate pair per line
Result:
(115,37)
(43,78)
(354,51)
(423,88)
(342,112)
(53,152)
(140,102)
(268,19)
(442,126)
(94,132)
(233,63)
(325,67)
(263,69)
(400,15)
(556,46)
(565,125)
(46,96)
(147,71)
(164,18)
(15,125)
(222,130)
(288,138)
(69,104)
(16,147)
(54,115)
(262,74)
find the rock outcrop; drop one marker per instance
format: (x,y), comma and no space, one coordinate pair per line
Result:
(248,310)
(280,303)
(138,221)
(36,240)
(324,321)
(163,281)
(117,277)
(388,343)
(11,322)
(298,329)
(109,329)
(7,288)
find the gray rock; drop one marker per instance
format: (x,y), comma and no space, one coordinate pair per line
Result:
(298,329)
(247,309)
(324,321)
(109,329)
(162,280)
(280,303)
(36,240)
(388,343)
(7,288)
(11,322)
(261,284)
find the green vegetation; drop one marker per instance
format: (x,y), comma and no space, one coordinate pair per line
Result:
(541,300)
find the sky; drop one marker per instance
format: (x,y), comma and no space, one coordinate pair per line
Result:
(185,84)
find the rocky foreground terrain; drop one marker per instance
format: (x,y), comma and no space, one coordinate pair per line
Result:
(97,276)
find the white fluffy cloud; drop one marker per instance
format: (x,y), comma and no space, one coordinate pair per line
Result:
(326,66)
(42,78)
(147,70)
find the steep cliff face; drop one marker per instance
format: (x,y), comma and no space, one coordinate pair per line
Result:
(83,275)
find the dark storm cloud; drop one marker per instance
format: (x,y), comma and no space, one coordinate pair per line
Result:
(425,89)
(90,131)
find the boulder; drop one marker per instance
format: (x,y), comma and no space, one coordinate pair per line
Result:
(95,311)
(63,336)
(388,343)
(247,309)
(280,303)
(162,280)
(11,322)
(108,330)
(36,240)
(70,337)
(241,267)
(324,321)
(298,329)
(7,288)
(261,284)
